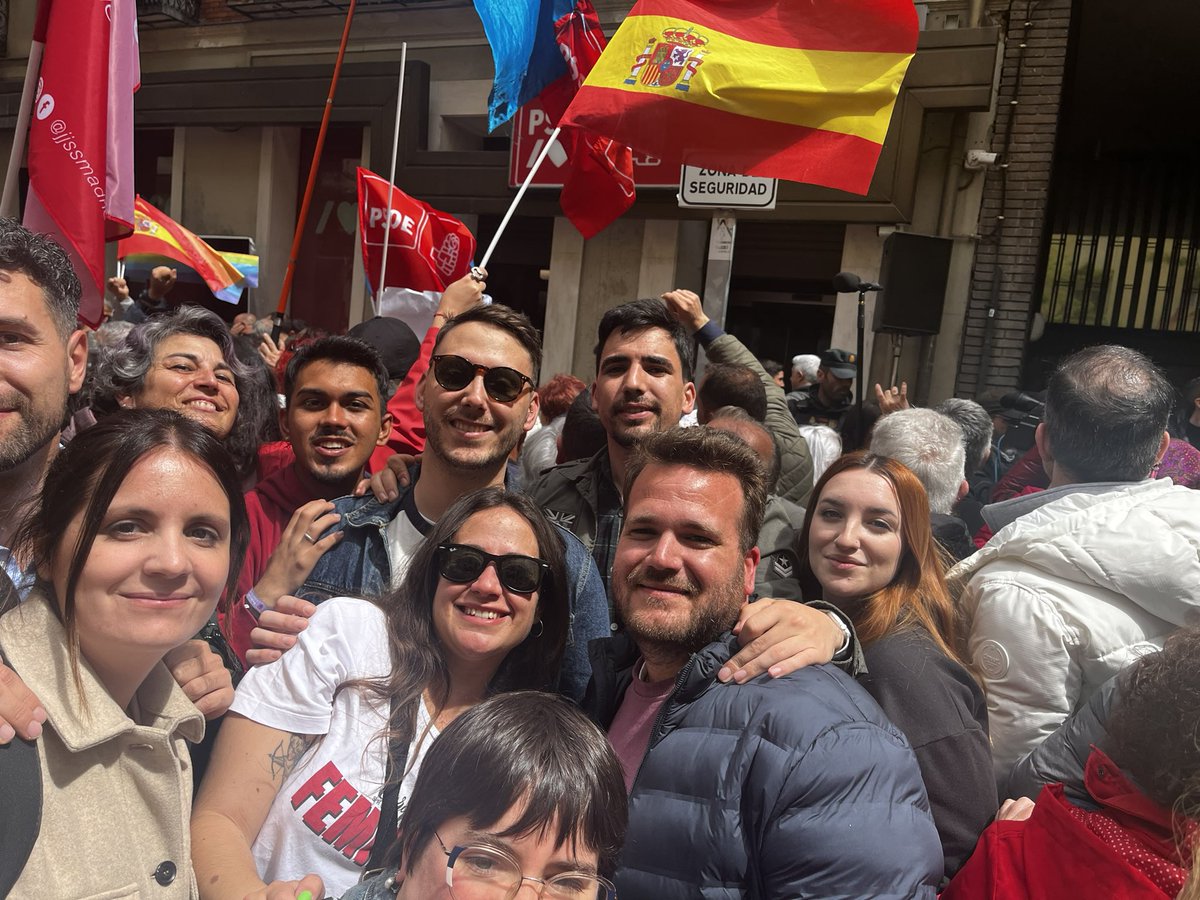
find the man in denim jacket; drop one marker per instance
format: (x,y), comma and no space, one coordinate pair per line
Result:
(471,428)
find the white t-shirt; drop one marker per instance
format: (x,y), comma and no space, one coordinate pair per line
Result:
(324,818)
(403,538)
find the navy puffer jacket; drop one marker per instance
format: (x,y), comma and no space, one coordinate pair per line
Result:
(778,788)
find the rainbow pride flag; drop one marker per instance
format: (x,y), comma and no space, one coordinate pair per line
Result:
(777,88)
(157,234)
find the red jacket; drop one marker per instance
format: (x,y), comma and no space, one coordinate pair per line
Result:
(270,507)
(408,425)
(1054,854)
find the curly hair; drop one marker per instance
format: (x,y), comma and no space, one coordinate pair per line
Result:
(1155,725)
(46,264)
(122,371)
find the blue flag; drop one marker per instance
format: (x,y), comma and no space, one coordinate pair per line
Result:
(527,58)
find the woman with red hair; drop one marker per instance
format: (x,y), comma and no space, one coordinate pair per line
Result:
(867,547)
(541,446)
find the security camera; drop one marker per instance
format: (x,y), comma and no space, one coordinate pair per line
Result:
(980,159)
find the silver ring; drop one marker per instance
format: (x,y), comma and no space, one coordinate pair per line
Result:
(308,537)
(477,273)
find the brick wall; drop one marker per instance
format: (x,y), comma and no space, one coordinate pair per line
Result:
(1014,198)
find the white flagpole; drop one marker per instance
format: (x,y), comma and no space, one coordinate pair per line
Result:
(387,219)
(517,199)
(10,201)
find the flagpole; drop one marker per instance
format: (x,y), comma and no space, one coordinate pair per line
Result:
(517,199)
(387,220)
(312,176)
(10,202)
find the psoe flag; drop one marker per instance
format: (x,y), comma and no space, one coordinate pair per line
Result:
(777,88)
(427,249)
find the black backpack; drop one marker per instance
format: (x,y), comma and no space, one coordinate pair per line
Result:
(20,806)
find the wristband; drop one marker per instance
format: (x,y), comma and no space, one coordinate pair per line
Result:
(837,620)
(254,604)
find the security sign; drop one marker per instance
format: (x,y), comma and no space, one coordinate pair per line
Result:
(708,188)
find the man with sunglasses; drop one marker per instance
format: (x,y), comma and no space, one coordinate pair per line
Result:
(476,399)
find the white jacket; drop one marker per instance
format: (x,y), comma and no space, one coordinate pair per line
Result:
(1065,596)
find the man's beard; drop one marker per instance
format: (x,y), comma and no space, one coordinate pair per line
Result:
(629,438)
(338,472)
(711,614)
(474,460)
(35,429)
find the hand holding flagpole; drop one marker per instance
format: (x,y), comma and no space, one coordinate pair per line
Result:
(517,199)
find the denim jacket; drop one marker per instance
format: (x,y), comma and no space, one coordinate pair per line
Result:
(359,565)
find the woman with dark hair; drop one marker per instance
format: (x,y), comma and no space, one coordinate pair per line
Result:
(521,787)
(138,532)
(867,546)
(185,361)
(322,747)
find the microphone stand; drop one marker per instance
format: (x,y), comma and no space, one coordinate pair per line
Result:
(862,325)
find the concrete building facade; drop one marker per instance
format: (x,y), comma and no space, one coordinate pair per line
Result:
(233,91)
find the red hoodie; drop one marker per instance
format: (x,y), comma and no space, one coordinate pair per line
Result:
(1125,851)
(408,425)
(270,507)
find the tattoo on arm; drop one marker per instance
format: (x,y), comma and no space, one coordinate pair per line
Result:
(287,754)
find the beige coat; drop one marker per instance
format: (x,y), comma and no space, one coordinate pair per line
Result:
(116,795)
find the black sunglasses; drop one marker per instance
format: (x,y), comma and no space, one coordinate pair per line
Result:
(462,564)
(502,384)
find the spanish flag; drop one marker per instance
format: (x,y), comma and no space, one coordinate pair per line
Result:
(156,233)
(796,89)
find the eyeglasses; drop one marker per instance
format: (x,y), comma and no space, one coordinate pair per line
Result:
(488,873)
(462,564)
(502,384)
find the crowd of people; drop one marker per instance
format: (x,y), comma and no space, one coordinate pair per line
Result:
(383,615)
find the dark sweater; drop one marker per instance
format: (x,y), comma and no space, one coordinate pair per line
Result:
(943,713)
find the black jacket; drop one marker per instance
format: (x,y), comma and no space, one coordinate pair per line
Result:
(951,534)
(942,711)
(789,787)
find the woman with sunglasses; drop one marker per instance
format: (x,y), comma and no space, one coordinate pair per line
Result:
(321,748)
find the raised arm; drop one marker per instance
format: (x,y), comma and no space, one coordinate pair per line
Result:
(795,477)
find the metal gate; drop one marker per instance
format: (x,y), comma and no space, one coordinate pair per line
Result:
(1124,247)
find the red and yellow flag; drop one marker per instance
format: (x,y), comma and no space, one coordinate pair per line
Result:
(155,233)
(796,89)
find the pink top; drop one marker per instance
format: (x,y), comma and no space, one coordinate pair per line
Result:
(629,733)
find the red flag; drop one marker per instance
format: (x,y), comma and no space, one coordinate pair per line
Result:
(69,178)
(427,249)
(598,186)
